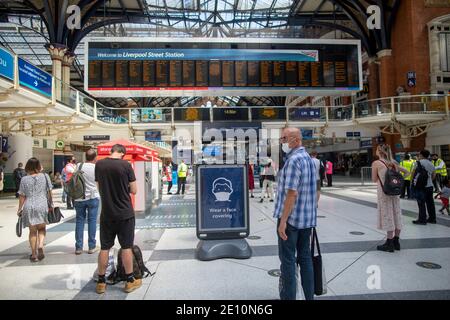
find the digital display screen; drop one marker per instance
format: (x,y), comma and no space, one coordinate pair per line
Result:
(202,66)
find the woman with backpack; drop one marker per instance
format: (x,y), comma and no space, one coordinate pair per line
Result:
(389,211)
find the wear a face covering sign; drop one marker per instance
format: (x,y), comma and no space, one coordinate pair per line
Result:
(222,202)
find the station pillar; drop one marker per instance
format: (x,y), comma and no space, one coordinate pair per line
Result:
(67,62)
(386,73)
(57,53)
(373,79)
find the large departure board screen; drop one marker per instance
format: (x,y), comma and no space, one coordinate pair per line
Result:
(128,67)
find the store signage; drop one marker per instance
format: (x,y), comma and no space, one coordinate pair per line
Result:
(97,138)
(6,64)
(353,134)
(34,78)
(152,135)
(222,202)
(307,113)
(365,144)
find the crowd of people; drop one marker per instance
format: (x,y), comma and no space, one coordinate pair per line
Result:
(110,182)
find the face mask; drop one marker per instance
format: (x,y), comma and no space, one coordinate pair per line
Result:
(285,147)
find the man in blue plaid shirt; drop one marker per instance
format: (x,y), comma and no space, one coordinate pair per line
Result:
(296,211)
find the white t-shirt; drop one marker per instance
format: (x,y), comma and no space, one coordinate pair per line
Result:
(317,164)
(89,177)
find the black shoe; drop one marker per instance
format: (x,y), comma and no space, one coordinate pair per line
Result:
(261,201)
(271,200)
(402,197)
(420,222)
(431,221)
(388,246)
(397,243)
(252,196)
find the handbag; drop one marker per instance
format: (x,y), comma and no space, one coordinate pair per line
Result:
(19,224)
(320,282)
(54,213)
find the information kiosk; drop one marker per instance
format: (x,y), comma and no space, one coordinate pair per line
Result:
(222,212)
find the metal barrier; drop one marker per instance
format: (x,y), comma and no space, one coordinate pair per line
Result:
(366,175)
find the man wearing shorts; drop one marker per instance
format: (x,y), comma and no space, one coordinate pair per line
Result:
(116,181)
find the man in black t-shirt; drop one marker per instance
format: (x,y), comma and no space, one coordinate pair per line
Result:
(116,180)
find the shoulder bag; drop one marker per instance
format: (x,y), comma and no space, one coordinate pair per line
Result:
(54,213)
(19,224)
(320,282)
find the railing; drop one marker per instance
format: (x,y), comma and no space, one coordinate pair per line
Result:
(366,175)
(401,105)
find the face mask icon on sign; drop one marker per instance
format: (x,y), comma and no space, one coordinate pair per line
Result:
(222,189)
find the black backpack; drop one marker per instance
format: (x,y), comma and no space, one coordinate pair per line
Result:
(140,271)
(420,179)
(76,186)
(393,182)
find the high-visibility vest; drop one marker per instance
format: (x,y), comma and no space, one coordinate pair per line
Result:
(182,170)
(443,171)
(408,165)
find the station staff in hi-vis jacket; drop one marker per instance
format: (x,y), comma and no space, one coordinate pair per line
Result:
(408,164)
(441,172)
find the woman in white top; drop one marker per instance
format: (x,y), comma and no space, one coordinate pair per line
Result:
(389,211)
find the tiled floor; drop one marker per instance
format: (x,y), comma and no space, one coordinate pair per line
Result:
(168,239)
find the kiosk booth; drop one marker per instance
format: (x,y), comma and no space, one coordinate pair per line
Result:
(146,166)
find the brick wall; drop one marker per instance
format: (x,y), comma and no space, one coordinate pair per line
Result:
(410,43)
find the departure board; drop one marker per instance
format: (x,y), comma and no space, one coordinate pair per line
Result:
(95,73)
(189,73)
(162,73)
(135,72)
(266,73)
(316,74)
(122,73)
(175,73)
(201,73)
(328,73)
(215,79)
(253,73)
(228,73)
(340,73)
(291,74)
(148,73)
(108,74)
(215,67)
(240,73)
(279,74)
(304,74)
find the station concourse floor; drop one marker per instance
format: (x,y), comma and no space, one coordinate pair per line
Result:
(346,228)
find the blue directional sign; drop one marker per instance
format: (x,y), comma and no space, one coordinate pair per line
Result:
(6,64)
(222,201)
(34,78)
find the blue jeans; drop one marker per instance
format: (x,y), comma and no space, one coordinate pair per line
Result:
(299,241)
(83,208)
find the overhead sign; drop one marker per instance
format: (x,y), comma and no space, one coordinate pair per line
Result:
(4,144)
(353,134)
(6,64)
(60,144)
(412,79)
(365,144)
(97,138)
(34,78)
(201,54)
(222,202)
(185,67)
(307,113)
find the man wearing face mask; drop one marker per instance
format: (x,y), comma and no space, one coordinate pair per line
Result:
(296,211)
